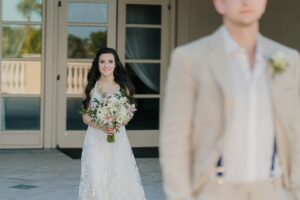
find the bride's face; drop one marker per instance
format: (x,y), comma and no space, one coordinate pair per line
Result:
(107,64)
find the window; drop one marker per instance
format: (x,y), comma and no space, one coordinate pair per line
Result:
(21,33)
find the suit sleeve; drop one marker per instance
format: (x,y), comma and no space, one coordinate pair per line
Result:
(295,167)
(176,127)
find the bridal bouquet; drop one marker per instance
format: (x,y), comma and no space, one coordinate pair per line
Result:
(113,111)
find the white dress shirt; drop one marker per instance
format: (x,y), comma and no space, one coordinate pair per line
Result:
(250,143)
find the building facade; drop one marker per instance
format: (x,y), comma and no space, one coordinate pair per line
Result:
(47,47)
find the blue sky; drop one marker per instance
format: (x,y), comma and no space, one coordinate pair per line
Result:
(10,12)
(77,12)
(87,12)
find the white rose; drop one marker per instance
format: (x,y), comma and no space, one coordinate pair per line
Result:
(279,59)
(120,119)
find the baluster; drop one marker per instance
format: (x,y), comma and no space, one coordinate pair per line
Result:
(75,79)
(23,67)
(7,76)
(17,77)
(10,77)
(69,79)
(80,79)
(86,70)
(4,77)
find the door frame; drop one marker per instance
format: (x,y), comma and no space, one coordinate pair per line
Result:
(11,139)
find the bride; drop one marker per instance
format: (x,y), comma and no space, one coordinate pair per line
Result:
(108,170)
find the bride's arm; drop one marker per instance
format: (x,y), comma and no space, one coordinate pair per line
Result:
(88,120)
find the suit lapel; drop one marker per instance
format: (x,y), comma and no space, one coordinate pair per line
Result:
(275,83)
(221,70)
(268,50)
(281,127)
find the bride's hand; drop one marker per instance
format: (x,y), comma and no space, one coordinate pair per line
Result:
(110,131)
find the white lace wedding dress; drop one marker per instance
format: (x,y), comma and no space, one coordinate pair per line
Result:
(108,170)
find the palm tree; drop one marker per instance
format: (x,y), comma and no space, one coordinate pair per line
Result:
(27,8)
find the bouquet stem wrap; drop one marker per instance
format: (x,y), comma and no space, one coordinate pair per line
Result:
(111,138)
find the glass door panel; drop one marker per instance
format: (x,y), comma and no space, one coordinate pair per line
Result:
(142,44)
(143,32)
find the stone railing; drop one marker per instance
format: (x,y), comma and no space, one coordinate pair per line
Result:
(13,76)
(23,77)
(77,77)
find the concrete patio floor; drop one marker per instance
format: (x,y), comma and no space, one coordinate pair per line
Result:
(51,175)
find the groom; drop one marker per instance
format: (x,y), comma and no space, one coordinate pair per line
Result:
(231,121)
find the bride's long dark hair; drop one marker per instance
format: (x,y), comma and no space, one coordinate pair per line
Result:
(121,77)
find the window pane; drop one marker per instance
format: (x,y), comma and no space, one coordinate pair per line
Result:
(77,77)
(143,43)
(22,10)
(20,77)
(20,113)
(74,119)
(143,14)
(84,42)
(22,41)
(147,115)
(97,12)
(145,77)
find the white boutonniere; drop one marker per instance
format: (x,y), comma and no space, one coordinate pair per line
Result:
(277,63)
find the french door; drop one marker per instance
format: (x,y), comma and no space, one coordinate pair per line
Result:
(143,46)
(138,29)
(84,27)
(22,33)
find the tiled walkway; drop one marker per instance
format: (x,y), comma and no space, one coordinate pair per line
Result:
(51,175)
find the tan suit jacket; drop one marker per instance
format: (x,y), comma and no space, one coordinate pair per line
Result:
(197,113)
